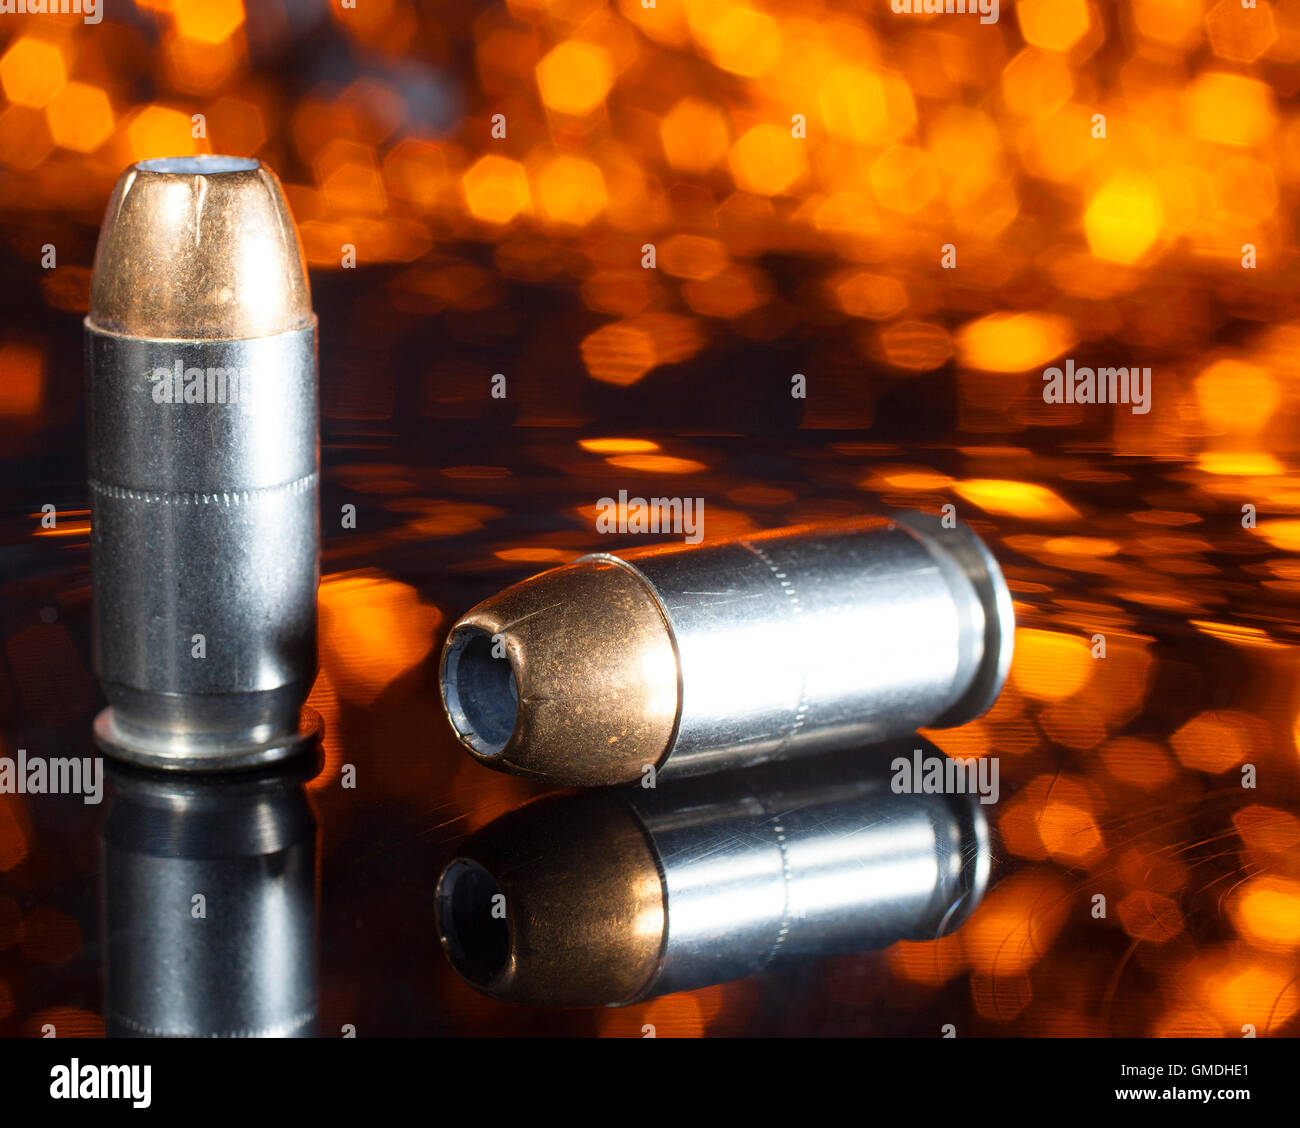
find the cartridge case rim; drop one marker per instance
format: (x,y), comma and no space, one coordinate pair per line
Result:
(985,575)
(976,861)
(191,752)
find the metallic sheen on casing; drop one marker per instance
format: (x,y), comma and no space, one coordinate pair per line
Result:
(240,960)
(786,642)
(781,862)
(204,542)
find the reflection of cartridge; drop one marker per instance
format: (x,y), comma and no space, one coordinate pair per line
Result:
(201,374)
(209,906)
(697,659)
(610,897)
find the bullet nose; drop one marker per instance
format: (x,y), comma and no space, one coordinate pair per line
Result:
(199,247)
(564,913)
(481,693)
(570,676)
(476,939)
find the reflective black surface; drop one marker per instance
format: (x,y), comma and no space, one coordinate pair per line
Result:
(1121,777)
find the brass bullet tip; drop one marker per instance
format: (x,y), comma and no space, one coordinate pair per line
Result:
(570,676)
(529,914)
(199,247)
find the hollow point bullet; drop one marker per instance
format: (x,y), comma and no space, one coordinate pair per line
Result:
(610,897)
(203,466)
(690,660)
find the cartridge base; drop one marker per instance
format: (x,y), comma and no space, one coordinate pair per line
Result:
(175,751)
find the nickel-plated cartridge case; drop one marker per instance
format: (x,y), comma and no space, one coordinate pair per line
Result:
(209,905)
(690,660)
(202,420)
(614,896)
